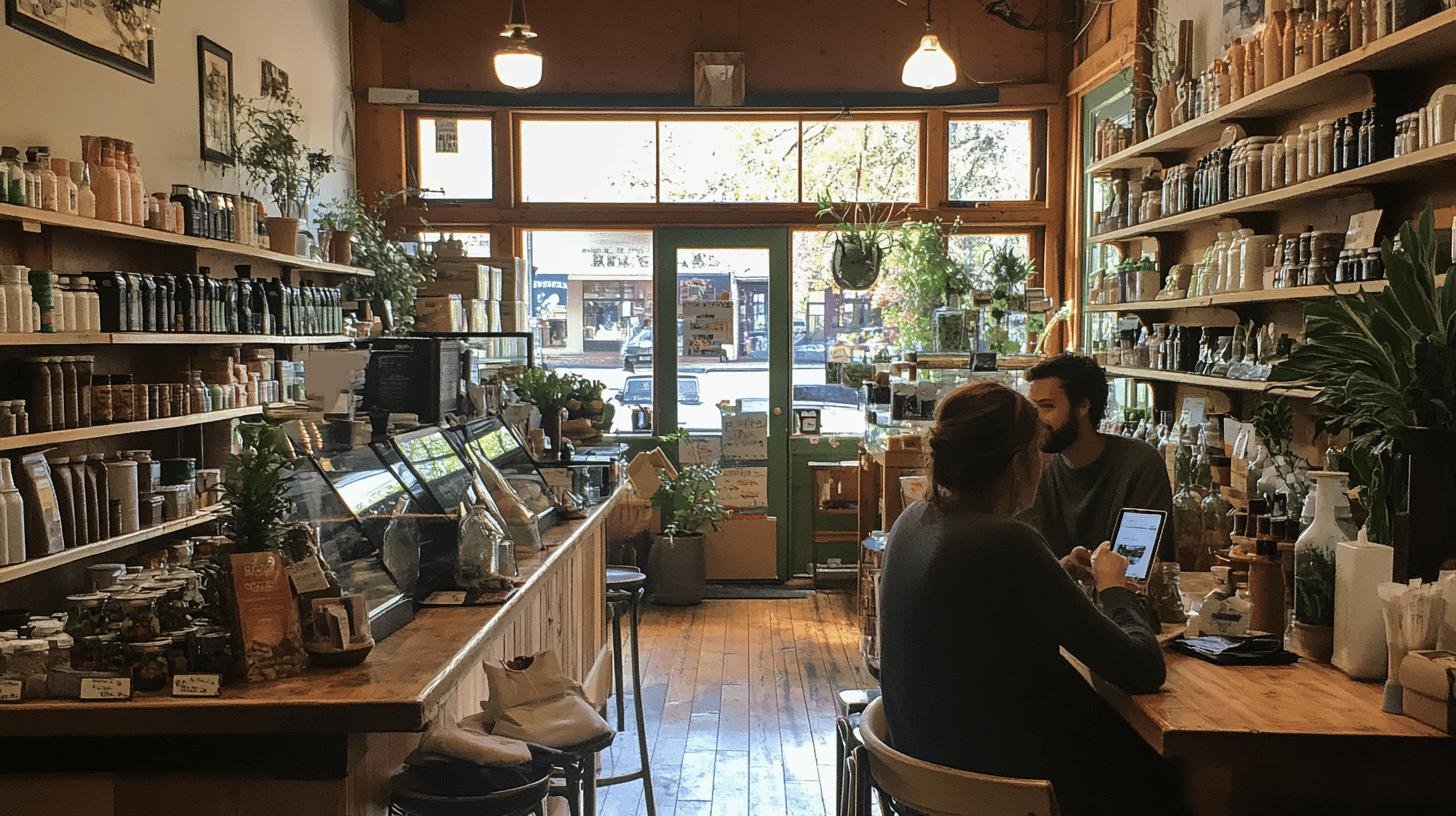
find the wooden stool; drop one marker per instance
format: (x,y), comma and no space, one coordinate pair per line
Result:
(625,588)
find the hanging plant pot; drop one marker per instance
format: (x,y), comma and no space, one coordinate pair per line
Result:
(854,268)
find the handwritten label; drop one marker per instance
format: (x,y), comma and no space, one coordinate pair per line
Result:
(743,487)
(11,690)
(196,685)
(27,225)
(106,688)
(307,576)
(707,326)
(1363,226)
(704,450)
(447,598)
(1193,408)
(745,436)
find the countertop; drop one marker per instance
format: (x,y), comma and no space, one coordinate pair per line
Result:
(403,679)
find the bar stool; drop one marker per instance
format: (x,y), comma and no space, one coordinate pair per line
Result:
(848,704)
(625,589)
(412,797)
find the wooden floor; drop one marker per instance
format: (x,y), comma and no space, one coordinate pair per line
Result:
(739,705)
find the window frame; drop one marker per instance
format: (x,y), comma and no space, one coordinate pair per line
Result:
(413,156)
(1036,156)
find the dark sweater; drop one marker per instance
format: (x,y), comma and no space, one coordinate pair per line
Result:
(973,613)
(1079,506)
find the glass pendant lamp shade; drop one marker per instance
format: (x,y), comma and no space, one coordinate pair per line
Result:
(518,66)
(930,66)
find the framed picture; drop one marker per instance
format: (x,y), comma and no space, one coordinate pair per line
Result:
(215,101)
(274,82)
(117,33)
(719,78)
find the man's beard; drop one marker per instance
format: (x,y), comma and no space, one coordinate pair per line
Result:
(1061,438)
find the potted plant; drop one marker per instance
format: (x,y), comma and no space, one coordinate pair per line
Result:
(924,274)
(688,505)
(1314,602)
(1385,364)
(862,237)
(398,272)
(549,392)
(277,162)
(1009,273)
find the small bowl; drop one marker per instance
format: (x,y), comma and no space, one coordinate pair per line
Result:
(336,659)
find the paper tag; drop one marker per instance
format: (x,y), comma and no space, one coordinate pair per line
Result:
(1361,233)
(105,688)
(26,225)
(11,690)
(447,136)
(447,598)
(307,576)
(196,685)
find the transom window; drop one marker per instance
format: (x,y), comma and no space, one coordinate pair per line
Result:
(992,159)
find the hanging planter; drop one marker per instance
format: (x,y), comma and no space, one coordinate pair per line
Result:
(855,266)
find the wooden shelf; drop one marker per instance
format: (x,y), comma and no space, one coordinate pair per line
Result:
(40,440)
(168,338)
(37,565)
(1386,171)
(1206,381)
(1256,296)
(32,217)
(1427,41)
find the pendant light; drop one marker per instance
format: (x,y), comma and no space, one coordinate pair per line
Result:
(518,65)
(929,67)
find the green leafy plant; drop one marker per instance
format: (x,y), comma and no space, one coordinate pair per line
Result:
(1009,273)
(688,502)
(1314,588)
(545,388)
(272,156)
(255,488)
(865,228)
(398,272)
(924,273)
(1383,361)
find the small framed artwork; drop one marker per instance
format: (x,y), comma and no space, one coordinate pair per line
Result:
(719,78)
(275,81)
(215,101)
(116,33)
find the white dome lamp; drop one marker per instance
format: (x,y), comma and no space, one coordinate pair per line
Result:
(930,66)
(518,65)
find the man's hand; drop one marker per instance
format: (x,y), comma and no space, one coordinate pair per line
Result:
(1109,567)
(1078,564)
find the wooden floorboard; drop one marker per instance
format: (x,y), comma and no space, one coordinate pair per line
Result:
(738,700)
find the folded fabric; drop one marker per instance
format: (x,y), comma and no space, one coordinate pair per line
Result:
(532,699)
(1227,651)
(475,747)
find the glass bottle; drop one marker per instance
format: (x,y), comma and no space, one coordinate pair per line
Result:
(1314,555)
(65,487)
(126,196)
(1187,517)
(107,184)
(49,198)
(1217,526)
(139,206)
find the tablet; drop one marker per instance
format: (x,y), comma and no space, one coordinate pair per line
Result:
(1136,539)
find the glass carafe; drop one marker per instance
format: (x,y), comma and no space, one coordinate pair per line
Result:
(1187,517)
(1217,526)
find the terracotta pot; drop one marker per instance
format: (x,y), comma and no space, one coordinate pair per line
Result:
(283,235)
(1316,643)
(341,247)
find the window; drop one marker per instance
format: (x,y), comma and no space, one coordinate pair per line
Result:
(603,161)
(730,162)
(862,160)
(459,167)
(476,244)
(991,159)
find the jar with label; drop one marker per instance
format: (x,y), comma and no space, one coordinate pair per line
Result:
(93,652)
(101,409)
(136,612)
(22,416)
(9,425)
(88,616)
(40,393)
(180,402)
(171,607)
(61,646)
(28,661)
(179,654)
(150,670)
(212,653)
(85,367)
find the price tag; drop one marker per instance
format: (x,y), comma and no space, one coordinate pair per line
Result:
(196,685)
(26,225)
(106,688)
(10,690)
(448,598)
(307,576)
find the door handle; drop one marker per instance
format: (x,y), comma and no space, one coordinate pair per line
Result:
(778,411)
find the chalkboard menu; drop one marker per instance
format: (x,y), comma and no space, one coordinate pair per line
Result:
(417,375)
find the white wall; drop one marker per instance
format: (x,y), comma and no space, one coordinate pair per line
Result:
(51,96)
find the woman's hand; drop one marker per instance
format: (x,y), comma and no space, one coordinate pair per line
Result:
(1109,568)
(1078,564)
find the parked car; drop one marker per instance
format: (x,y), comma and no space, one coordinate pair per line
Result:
(637,351)
(638,391)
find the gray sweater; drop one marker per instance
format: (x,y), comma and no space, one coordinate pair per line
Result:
(1080,507)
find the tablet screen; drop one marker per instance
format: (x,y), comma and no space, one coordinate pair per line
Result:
(1137,540)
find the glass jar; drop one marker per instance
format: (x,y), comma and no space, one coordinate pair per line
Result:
(179,654)
(1217,527)
(136,612)
(94,653)
(171,604)
(29,662)
(212,653)
(123,398)
(147,660)
(1188,527)
(1165,588)
(88,615)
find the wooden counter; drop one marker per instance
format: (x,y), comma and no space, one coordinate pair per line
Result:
(1290,739)
(330,727)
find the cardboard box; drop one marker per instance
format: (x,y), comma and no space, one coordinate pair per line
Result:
(514,279)
(745,548)
(440,314)
(467,279)
(1428,680)
(514,316)
(476,315)
(493,315)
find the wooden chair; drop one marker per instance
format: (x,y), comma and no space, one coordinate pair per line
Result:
(934,790)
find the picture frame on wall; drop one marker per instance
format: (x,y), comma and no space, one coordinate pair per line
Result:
(215,124)
(117,34)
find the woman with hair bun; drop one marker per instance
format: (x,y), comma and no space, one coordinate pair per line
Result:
(974,613)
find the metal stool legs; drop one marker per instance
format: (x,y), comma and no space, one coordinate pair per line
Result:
(632,600)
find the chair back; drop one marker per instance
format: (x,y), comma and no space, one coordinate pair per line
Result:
(935,790)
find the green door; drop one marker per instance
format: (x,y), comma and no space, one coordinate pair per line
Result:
(722,337)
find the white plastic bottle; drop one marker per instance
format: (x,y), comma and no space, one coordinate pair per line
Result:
(14,533)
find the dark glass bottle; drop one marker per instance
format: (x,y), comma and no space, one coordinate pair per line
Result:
(258,305)
(199,302)
(277,308)
(242,292)
(149,303)
(203,209)
(163,320)
(185,320)
(182,194)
